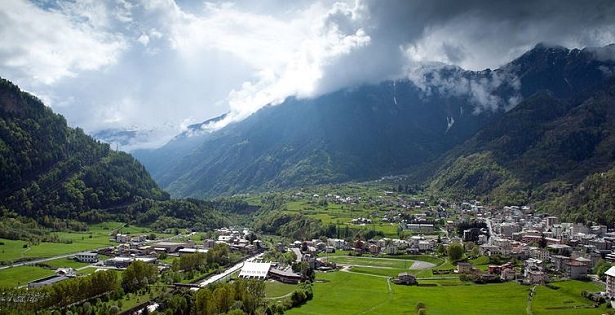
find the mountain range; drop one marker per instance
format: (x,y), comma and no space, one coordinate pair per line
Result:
(426,124)
(538,130)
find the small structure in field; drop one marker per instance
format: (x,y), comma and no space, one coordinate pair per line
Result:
(405,278)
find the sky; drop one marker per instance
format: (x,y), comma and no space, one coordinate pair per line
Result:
(160,65)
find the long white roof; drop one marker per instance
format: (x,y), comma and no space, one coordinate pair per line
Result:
(254,270)
(610,272)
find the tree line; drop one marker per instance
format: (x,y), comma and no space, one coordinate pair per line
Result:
(58,295)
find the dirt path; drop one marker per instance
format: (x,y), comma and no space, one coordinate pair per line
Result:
(530,298)
(389,299)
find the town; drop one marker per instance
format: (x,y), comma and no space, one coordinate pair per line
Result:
(517,244)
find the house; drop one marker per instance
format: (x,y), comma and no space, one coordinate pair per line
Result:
(536,277)
(419,227)
(534,264)
(610,282)
(539,253)
(464,267)
(576,270)
(533,272)
(123,262)
(489,250)
(170,247)
(405,278)
(337,243)
(508,275)
(284,276)
(425,246)
(374,249)
(87,257)
(122,238)
(67,272)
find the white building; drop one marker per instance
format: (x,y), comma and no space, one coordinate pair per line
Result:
(610,282)
(87,257)
(254,270)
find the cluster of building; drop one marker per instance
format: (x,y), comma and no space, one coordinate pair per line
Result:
(547,246)
(139,248)
(305,251)
(268,270)
(414,245)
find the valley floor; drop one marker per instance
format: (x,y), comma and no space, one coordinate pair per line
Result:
(366,290)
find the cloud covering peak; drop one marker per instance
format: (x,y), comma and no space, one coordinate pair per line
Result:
(162,65)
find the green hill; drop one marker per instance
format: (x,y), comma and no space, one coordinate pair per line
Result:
(50,170)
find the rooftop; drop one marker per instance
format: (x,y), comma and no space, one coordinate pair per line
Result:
(610,272)
(254,270)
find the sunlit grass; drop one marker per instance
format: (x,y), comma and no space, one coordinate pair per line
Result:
(18,276)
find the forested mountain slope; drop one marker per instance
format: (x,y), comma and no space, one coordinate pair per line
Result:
(395,127)
(48,170)
(557,153)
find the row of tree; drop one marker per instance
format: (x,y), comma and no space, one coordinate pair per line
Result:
(215,257)
(59,295)
(245,295)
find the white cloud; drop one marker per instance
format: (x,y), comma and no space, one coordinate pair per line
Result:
(162,64)
(288,57)
(43,46)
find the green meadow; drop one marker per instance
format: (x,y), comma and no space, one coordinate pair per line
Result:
(341,214)
(97,236)
(365,289)
(18,276)
(276,290)
(351,293)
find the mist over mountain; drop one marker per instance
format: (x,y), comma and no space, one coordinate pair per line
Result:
(395,127)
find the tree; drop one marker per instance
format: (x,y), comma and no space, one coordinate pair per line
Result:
(601,268)
(475,251)
(440,249)
(420,308)
(543,241)
(455,252)
(138,275)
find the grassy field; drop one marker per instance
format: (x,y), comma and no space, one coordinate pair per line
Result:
(341,214)
(65,263)
(373,262)
(275,289)
(565,298)
(368,294)
(97,236)
(18,276)
(73,242)
(365,289)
